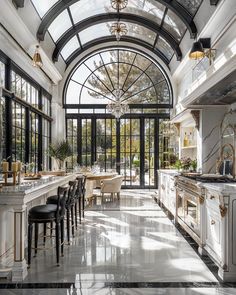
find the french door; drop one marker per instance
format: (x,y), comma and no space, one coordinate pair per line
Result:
(128,146)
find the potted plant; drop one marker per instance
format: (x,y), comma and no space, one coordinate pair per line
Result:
(194,165)
(178,165)
(186,163)
(60,151)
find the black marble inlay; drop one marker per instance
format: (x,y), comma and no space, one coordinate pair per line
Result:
(128,285)
(205,258)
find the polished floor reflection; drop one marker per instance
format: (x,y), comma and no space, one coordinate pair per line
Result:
(123,291)
(130,242)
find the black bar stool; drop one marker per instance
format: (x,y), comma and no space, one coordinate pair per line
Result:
(70,204)
(78,201)
(81,194)
(48,214)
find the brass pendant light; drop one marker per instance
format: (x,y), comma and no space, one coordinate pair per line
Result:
(37,60)
(119,4)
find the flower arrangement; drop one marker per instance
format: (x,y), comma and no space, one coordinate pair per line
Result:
(186,164)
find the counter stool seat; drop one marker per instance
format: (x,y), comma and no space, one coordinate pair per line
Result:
(43,212)
(69,206)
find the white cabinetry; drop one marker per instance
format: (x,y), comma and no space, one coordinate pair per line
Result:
(166,190)
(220,231)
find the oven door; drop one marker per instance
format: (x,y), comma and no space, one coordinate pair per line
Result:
(180,203)
(192,212)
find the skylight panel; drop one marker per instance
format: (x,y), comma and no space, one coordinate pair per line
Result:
(42,6)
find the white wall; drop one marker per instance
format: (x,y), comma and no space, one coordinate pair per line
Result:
(221,28)
(211,119)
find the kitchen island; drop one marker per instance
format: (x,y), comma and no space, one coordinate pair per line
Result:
(15,202)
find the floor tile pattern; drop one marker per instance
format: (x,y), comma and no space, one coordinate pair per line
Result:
(125,246)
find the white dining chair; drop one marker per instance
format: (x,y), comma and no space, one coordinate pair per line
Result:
(112,186)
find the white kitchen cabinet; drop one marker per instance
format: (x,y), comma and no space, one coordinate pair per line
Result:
(220,229)
(214,233)
(166,189)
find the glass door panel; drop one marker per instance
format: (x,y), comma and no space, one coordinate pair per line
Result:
(86,159)
(126,146)
(130,151)
(106,142)
(149,153)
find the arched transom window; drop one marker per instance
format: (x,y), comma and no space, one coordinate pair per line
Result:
(138,80)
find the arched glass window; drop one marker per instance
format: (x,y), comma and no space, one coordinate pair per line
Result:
(75,25)
(96,81)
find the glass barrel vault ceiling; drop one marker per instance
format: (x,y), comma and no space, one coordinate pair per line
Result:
(151,10)
(96,80)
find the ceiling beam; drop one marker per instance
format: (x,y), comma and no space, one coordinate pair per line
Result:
(107,39)
(214,2)
(18,3)
(61,5)
(101,18)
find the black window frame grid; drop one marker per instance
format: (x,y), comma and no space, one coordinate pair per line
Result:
(11,99)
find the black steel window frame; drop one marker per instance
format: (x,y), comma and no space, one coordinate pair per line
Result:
(180,12)
(154,111)
(118,62)
(142,117)
(11,99)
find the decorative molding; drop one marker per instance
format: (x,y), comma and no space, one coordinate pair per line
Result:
(177,126)
(196,116)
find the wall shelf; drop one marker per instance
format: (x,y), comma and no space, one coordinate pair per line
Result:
(189,147)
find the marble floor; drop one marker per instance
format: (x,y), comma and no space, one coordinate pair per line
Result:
(123,247)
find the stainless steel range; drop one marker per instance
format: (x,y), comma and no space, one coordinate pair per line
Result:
(190,197)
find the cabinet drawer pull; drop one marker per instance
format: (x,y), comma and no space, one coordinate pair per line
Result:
(163,187)
(172,189)
(213,222)
(212,197)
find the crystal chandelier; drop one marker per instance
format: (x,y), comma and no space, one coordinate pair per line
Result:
(116,107)
(37,60)
(118,29)
(119,4)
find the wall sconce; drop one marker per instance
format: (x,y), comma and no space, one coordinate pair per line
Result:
(37,60)
(202,48)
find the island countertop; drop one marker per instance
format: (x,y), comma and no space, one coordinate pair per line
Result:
(15,203)
(28,191)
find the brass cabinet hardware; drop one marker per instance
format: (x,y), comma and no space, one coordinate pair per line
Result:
(223,210)
(213,222)
(212,197)
(201,199)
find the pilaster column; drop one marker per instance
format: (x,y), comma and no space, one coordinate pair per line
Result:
(19,269)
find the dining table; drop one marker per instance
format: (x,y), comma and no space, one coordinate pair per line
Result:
(101,175)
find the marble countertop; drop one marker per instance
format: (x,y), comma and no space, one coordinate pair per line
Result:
(27,191)
(223,188)
(168,171)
